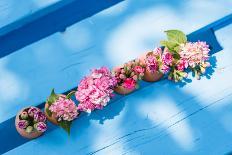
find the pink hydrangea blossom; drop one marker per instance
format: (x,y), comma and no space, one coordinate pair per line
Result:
(195,53)
(64,109)
(95,90)
(129,83)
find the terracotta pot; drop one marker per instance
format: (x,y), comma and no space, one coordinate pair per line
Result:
(152,76)
(123,91)
(52,118)
(22,132)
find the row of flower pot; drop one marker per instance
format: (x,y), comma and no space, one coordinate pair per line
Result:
(96,89)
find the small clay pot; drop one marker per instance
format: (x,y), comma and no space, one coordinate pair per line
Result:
(22,132)
(152,76)
(123,91)
(52,118)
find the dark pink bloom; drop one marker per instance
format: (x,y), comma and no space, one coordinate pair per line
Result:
(39,117)
(41,126)
(167,58)
(129,83)
(32,111)
(22,124)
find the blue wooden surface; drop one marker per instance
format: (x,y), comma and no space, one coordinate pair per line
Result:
(11,10)
(162,118)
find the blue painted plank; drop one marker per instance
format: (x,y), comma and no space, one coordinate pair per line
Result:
(139,117)
(12,10)
(47,21)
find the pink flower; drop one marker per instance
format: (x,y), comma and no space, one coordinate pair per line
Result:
(22,124)
(40,126)
(181,65)
(167,58)
(64,109)
(129,83)
(195,53)
(32,110)
(165,69)
(157,51)
(39,117)
(95,90)
(151,63)
(139,69)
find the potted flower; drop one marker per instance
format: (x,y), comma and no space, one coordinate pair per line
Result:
(61,110)
(196,54)
(179,54)
(30,122)
(153,63)
(128,76)
(95,90)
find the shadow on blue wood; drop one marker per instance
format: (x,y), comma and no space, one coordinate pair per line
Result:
(207,35)
(55,18)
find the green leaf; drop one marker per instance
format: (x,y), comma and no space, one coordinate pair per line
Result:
(48,112)
(52,98)
(169,44)
(70,94)
(66,125)
(176,36)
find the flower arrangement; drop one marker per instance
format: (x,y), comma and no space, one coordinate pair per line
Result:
(31,122)
(154,65)
(195,55)
(61,110)
(128,76)
(179,55)
(95,90)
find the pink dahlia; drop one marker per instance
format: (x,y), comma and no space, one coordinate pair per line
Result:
(64,109)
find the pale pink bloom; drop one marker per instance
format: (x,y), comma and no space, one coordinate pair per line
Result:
(157,51)
(195,53)
(139,69)
(95,90)
(64,109)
